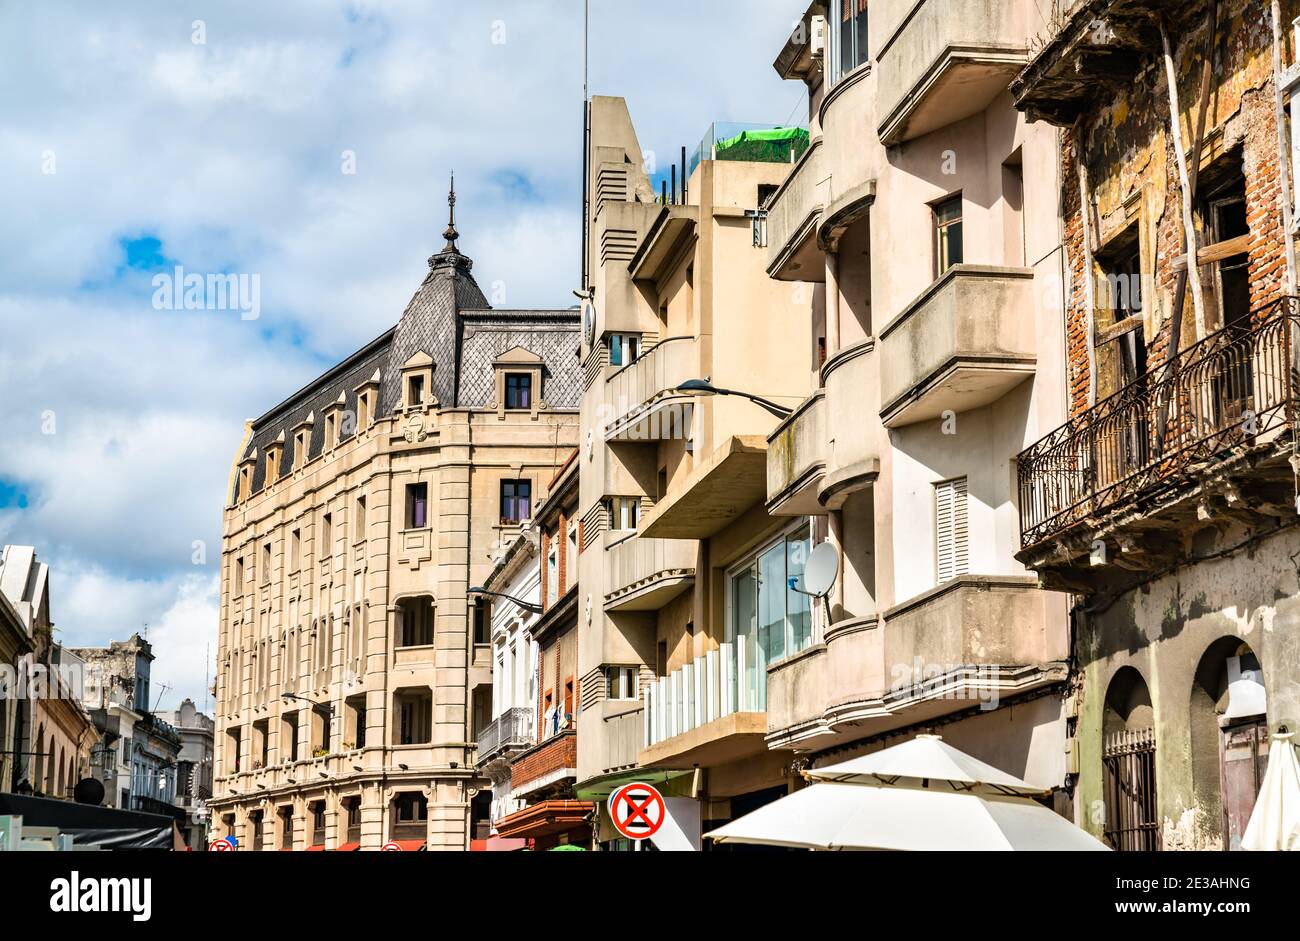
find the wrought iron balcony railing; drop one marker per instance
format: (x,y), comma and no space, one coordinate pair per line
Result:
(1234,389)
(514,727)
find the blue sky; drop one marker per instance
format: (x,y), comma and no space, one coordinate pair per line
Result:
(132,140)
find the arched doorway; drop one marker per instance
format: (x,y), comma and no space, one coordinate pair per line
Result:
(1129,764)
(1229,734)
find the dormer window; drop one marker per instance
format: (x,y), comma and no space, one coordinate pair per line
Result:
(417,383)
(367,396)
(331,430)
(518,382)
(302,441)
(273,454)
(519,392)
(245,483)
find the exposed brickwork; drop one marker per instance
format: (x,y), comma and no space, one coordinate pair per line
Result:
(555,754)
(1129,154)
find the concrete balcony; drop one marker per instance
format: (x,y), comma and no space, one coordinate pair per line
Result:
(968,643)
(641,395)
(793,217)
(723,486)
(645,574)
(797,455)
(705,712)
(945,62)
(825,451)
(964,343)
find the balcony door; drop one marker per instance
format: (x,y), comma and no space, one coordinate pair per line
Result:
(768,617)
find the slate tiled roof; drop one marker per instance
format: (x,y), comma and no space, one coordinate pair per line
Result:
(449,319)
(551,334)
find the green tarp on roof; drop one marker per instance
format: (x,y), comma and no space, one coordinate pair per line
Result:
(775,145)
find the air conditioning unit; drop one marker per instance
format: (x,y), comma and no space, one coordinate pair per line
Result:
(817,35)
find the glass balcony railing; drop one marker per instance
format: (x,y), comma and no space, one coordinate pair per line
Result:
(758,143)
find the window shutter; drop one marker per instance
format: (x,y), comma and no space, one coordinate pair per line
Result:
(951,536)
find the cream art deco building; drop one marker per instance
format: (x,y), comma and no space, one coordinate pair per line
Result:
(354,666)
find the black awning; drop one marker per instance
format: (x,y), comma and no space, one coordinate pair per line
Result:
(105,827)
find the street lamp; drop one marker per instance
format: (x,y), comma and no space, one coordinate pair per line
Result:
(527,606)
(310,702)
(703,387)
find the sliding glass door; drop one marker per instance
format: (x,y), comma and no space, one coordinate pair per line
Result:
(768,618)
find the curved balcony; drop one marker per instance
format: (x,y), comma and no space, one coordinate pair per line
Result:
(641,396)
(825,451)
(945,62)
(968,643)
(793,217)
(965,342)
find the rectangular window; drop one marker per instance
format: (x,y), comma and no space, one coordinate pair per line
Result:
(519,391)
(416,718)
(768,616)
(359,533)
(516,501)
(266,564)
(849,36)
(363,411)
(416,622)
(482,625)
(553,570)
(415,392)
(571,555)
(621,683)
(300,449)
(295,550)
(951,538)
(239,577)
(326,536)
(331,430)
(947,235)
(624,348)
(624,513)
(417,506)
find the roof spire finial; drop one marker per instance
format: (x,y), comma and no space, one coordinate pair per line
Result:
(451,234)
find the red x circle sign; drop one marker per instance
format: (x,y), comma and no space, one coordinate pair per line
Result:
(637,811)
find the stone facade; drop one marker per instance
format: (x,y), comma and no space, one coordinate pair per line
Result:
(353,662)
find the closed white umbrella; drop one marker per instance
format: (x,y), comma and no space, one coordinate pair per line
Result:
(1275,821)
(926,761)
(875,817)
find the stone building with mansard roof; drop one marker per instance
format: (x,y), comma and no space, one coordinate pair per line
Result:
(354,667)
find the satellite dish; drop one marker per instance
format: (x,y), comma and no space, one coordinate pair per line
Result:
(819,574)
(588,322)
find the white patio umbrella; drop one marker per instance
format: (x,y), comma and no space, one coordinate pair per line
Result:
(875,817)
(920,795)
(927,761)
(1275,821)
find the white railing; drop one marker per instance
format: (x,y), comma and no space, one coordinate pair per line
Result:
(703,691)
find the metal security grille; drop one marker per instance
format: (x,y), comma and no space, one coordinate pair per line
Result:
(1130,762)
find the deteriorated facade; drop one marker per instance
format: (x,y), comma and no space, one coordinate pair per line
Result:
(1167,503)
(354,666)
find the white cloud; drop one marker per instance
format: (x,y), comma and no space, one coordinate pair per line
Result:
(230,153)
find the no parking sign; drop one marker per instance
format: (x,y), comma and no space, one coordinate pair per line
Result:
(637,811)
